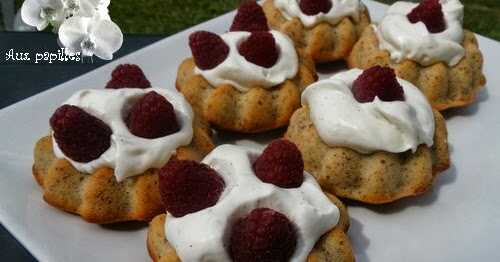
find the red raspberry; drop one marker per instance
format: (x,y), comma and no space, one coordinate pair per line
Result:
(314,7)
(250,17)
(431,14)
(377,81)
(208,49)
(152,117)
(280,164)
(80,135)
(128,76)
(187,186)
(263,235)
(260,48)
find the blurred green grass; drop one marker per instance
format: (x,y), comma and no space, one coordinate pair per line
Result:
(171,16)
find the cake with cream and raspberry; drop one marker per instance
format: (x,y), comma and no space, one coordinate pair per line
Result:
(379,140)
(244,204)
(326,29)
(247,80)
(426,44)
(105,147)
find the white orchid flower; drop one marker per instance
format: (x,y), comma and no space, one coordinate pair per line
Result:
(91,36)
(41,13)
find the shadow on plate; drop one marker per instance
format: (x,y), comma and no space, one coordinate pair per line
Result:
(225,137)
(468,110)
(328,69)
(126,226)
(426,199)
(359,241)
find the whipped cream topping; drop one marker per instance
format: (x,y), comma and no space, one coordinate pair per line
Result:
(128,154)
(405,40)
(341,120)
(340,9)
(243,75)
(204,235)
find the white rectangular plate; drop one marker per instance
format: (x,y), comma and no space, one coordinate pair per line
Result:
(458,220)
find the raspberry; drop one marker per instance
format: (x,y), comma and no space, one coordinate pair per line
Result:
(128,76)
(187,186)
(250,17)
(377,81)
(263,235)
(431,14)
(280,164)
(209,50)
(80,135)
(260,48)
(152,117)
(314,7)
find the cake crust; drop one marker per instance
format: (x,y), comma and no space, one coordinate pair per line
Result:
(376,178)
(323,42)
(256,110)
(98,197)
(445,87)
(333,246)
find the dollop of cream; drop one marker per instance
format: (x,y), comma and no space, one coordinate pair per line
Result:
(340,9)
(341,120)
(128,154)
(243,75)
(204,235)
(405,40)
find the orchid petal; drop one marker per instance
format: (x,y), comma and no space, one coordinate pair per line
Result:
(30,14)
(102,13)
(85,8)
(73,31)
(108,38)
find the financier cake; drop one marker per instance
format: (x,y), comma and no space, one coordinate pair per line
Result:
(247,80)
(326,29)
(244,204)
(105,147)
(426,45)
(369,136)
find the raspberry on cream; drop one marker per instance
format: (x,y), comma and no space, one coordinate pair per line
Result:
(395,126)
(205,235)
(237,71)
(250,17)
(338,11)
(128,154)
(406,40)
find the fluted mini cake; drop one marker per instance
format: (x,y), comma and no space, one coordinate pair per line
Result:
(426,45)
(242,204)
(326,29)
(247,80)
(102,156)
(369,136)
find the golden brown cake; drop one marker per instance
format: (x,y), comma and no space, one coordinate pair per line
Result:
(426,44)
(246,80)
(103,154)
(333,246)
(375,178)
(324,42)
(256,110)
(98,197)
(445,87)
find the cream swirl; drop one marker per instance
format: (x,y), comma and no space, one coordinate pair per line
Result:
(203,235)
(405,40)
(340,9)
(128,154)
(394,127)
(235,70)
